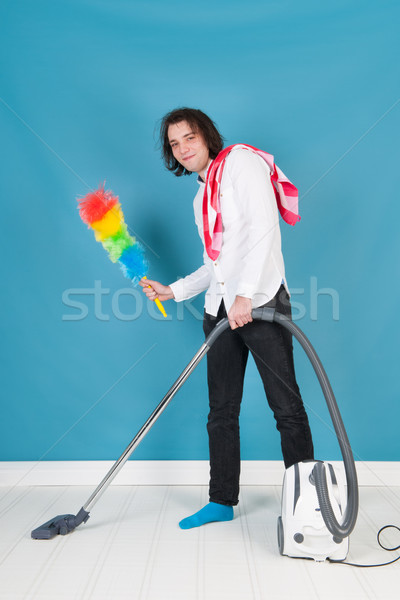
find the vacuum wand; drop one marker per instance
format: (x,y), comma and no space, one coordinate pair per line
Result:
(63,524)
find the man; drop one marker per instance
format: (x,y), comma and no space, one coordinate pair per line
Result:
(247,271)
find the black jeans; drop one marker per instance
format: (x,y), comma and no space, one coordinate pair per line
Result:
(272,349)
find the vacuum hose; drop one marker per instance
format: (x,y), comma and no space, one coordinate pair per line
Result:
(338,530)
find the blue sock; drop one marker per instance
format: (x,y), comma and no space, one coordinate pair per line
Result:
(209,513)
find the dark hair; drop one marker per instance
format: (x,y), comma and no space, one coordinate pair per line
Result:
(200,123)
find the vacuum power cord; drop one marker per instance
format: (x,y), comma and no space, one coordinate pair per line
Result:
(340,562)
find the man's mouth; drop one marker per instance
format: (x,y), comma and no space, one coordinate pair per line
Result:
(188,158)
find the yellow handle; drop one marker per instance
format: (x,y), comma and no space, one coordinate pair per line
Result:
(158,304)
(160,307)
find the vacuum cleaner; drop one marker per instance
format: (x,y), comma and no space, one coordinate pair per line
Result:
(318,512)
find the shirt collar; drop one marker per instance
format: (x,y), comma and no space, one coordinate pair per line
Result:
(199,179)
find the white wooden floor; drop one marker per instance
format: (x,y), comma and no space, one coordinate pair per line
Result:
(132,548)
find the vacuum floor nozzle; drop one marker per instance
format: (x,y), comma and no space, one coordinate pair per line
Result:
(60,525)
(57,526)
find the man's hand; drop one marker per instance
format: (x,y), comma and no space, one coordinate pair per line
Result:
(240,312)
(155,289)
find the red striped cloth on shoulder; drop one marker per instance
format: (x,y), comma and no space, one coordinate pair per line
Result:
(286,195)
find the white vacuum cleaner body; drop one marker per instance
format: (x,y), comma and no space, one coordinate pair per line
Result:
(302,532)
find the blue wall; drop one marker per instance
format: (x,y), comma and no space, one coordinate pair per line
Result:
(83,86)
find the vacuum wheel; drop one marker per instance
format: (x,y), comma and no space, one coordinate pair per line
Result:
(280,535)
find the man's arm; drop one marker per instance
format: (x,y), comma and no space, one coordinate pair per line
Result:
(192,284)
(180,290)
(252,184)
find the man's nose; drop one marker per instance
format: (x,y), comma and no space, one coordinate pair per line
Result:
(184,148)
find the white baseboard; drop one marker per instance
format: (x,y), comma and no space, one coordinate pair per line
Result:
(169,472)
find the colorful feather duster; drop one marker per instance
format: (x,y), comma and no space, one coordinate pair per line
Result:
(102,212)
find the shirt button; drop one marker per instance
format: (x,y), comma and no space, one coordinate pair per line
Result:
(222,283)
(215,264)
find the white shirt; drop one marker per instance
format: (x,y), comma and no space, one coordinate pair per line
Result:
(250,263)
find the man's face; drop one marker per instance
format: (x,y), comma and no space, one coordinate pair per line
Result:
(188,147)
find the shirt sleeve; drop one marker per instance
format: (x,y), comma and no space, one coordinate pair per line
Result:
(192,284)
(252,183)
